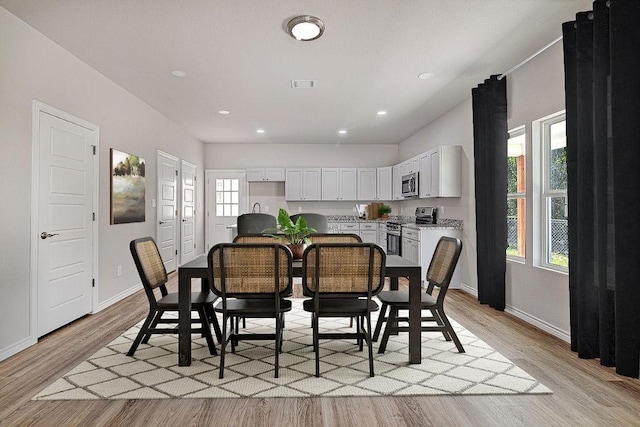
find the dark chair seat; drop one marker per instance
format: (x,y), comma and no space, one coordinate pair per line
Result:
(341,307)
(400,299)
(253,308)
(197,299)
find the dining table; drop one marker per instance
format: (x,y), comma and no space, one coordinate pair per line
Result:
(395,267)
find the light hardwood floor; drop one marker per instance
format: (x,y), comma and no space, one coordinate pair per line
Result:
(585,393)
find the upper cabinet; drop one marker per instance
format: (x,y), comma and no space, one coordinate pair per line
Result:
(339,183)
(440,172)
(265,174)
(367,184)
(384,189)
(397,182)
(303,184)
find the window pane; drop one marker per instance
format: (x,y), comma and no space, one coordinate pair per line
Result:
(219,197)
(516,164)
(227,185)
(219,210)
(516,220)
(558,156)
(234,197)
(234,184)
(234,210)
(558,232)
(227,210)
(219,186)
(227,197)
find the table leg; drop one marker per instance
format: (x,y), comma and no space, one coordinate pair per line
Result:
(393,283)
(415,333)
(184,318)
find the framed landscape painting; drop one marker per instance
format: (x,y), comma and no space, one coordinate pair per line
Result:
(127,188)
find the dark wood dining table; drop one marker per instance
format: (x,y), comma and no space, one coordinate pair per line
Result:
(395,267)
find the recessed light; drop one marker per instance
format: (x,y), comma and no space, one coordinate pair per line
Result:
(223,112)
(382,113)
(178,73)
(342,131)
(260,130)
(425,76)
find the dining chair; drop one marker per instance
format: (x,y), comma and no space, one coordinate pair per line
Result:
(341,279)
(334,238)
(314,220)
(253,223)
(154,277)
(441,268)
(254,238)
(252,280)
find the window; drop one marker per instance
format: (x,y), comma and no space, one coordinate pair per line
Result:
(227,196)
(555,241)
(516,194)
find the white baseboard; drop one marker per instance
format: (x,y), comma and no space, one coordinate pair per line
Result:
(17,347)
(119,297)
(539,323)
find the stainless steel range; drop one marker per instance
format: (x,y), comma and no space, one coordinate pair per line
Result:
(426,215)
(394,238)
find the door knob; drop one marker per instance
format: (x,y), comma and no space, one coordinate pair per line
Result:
(162,222)
(44,235)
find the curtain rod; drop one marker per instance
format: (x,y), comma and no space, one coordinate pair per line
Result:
(529,58)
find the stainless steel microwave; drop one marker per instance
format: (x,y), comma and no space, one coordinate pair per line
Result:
(410,185)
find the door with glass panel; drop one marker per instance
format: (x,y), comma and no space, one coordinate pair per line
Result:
(226,198)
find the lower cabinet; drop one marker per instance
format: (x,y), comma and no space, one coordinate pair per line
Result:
(419,244)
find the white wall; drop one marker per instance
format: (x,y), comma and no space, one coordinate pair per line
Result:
(271,195)
(534,91)
(34,67)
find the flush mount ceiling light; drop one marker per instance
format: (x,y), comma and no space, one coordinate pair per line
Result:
(223,112)
(305,28)
(178,73)
(260,130)
(342,132)
(425,76)
(382,113)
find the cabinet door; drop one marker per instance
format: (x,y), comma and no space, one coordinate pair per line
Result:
(348,184)
(330,178)
(384,183)
(255,175)
(311,184)
(367,185)
(434,160)
(293,184)
(369,236)
(425,175)
(397,182)
(274,174)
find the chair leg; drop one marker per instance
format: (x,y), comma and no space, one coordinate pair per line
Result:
(213,319)
(277,346)
(438,319)
(206,330)
(156,318)
(143,331)
(381,320)
(223,346)
(316,344)
(369,344)
(360,326)
(450,330)
(233,325)
(392,324)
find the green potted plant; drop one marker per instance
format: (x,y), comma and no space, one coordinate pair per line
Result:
(384,211)
(295,234)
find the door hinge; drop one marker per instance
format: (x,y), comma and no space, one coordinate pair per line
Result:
(94,149)
(93,283)
(94,216)
(176,172)
(176,252)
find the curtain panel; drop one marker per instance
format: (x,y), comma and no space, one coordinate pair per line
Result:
(602,87)
(490,137)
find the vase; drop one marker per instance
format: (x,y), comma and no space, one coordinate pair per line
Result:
(297,250)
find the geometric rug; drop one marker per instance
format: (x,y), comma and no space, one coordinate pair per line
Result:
(153,373)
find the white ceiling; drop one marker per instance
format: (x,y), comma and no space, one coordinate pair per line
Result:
(239,58)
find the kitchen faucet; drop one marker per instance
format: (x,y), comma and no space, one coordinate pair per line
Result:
(253,209)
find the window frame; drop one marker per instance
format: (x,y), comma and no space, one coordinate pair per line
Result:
(546,194)
(514,133)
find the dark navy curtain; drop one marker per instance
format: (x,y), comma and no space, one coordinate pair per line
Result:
(490,137)
(602,85)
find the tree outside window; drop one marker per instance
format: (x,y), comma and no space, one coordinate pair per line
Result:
(516,194)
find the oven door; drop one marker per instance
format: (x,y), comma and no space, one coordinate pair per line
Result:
(394,244)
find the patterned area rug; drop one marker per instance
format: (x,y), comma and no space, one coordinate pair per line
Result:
(154,372)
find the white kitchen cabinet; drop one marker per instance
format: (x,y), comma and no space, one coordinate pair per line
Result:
(384,183)
(397,182)
(367,183)
(266,174)
(339,184)
(382,236)
(303,184)
(411,245)
(369,232)
(333,227)
(440,172)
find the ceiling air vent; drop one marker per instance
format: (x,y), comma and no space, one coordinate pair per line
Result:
(303,84)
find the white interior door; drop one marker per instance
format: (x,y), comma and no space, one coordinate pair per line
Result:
(65,241)
(226,199)
(167,210)
(188,204)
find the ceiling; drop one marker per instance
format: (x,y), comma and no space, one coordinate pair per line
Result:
(238,57)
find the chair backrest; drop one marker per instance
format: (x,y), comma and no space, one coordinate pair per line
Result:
(254,223)
(148,262)
(254,238)
(343,269)
(443,263)
(250,270)
(334,238)
(314,220)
